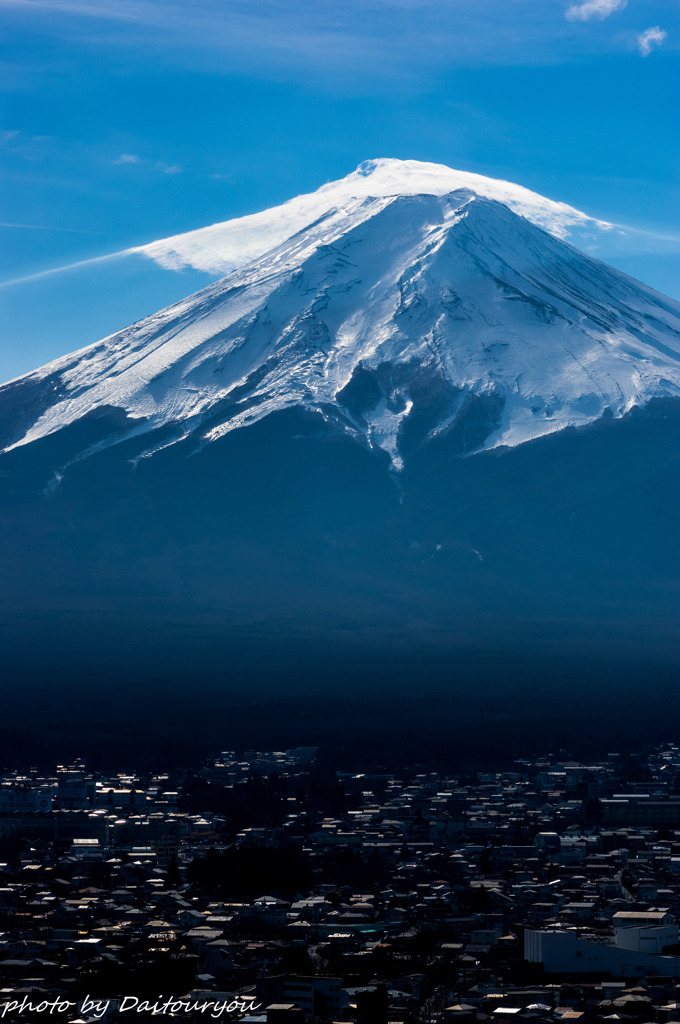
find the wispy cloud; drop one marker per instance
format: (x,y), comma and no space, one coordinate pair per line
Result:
(60,270)
(84,8)
(357,40)
(398,44)
(168,168)
(157,165)
(44,227)
(599,9)
(649,38)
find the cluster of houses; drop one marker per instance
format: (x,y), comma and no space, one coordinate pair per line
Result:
(278,891)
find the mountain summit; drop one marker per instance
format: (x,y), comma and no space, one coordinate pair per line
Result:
(392,317)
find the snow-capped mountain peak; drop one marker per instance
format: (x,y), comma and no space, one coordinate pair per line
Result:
(395,318)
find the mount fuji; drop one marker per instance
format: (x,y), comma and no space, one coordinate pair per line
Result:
(383,311)
(412,415)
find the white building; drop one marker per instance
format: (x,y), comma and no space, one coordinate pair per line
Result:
(636,949)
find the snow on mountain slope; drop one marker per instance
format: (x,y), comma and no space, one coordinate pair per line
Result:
(389,312)
(221,248)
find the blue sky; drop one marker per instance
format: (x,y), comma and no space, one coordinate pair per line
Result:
(122,122)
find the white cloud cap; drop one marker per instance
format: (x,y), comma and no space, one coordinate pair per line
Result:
(594,9)
(649,38)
